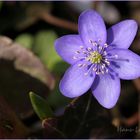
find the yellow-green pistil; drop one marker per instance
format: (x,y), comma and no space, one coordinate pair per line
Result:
(94,57)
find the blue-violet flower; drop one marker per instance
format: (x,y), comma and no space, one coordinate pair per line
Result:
(99,58)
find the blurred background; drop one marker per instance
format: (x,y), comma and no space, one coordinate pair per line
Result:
(28,62)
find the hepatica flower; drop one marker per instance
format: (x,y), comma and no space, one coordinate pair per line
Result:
(99,58)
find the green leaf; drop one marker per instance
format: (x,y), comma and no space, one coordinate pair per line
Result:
(44,48)
(40,106)
(26,40)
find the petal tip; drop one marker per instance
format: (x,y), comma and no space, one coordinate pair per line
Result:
(133,23)
(109,106)
(123,32)
(91,26)
(107,91)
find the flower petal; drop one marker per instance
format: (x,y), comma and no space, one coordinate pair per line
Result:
(67,46)
(122,34)
(127,65)
(106,90)
(74,82)
(91,27)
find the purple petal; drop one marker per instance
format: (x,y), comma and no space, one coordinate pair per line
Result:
(67,46)
(127,65)
(106,90)
(91,27)
(75,82)
(122,34)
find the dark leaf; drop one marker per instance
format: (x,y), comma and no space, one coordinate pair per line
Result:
(51,130)
(103,129)
(10,125)
(25,61)
(21,72)
(85,118)
(32,13)
(83,115)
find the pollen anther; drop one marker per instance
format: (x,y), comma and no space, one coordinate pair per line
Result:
(80,65)
(77,52)
(74,57)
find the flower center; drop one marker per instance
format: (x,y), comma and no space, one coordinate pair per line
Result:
(94,57)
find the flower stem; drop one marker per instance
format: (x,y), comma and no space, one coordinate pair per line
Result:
(84,116)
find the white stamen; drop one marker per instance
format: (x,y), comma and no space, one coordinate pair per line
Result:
(94,69)
(84,52)
(90,41)
(84,65)
(80,65)
(100,47)
(106,60)
(89,49)
(102,72)
(108,63)
(116,56)
(105,45)
(77,52)
(94,44)
(112,57)
(74,57)
(97,72)
(105,53)
(103,66)
(106,70)
(86,74)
